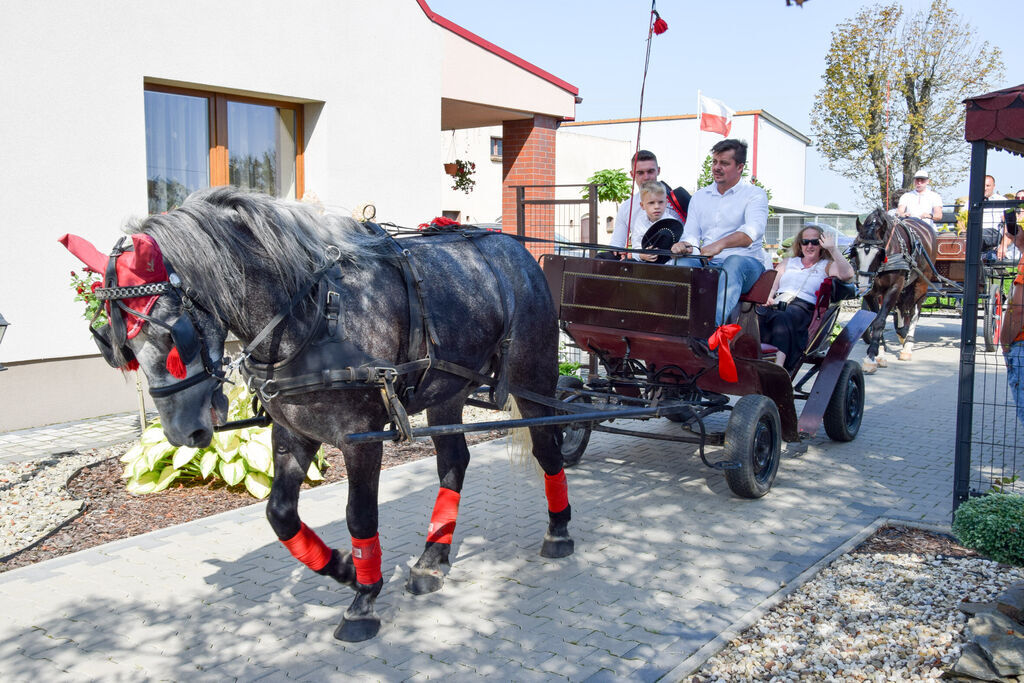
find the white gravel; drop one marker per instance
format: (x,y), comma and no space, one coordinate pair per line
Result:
(866,617)
(33,500)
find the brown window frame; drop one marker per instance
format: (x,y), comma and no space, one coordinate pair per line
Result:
(217,116)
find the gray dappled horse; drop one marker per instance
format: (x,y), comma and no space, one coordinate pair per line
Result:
(893,257)
(346,331)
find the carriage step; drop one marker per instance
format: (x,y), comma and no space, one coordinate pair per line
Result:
(725,465)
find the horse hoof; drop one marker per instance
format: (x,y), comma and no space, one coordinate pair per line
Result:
(904,355)
(423,581)
(357,630)
(557,546)
(869,368)
(882,362)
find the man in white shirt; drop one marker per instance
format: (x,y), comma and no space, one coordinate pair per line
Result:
(629,233)
(921,202)
(726,221)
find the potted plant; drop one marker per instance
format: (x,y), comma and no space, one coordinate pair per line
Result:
(463,175)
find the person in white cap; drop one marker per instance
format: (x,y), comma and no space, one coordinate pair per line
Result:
(921,202)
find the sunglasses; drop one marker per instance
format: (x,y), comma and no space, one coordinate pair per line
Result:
(808,243)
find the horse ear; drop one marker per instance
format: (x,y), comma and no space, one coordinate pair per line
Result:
(85,252)
(146,260)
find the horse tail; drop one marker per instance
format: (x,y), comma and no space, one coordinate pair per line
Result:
(519,443)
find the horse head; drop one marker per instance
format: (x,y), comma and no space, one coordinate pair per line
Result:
(156,326)
(868,251)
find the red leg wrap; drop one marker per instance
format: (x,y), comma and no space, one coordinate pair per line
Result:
(557,491)
(366,557)
(442,522)
(308,549)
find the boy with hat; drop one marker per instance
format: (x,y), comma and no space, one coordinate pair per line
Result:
(664,231)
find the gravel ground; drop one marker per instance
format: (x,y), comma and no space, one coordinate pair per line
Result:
(869,616)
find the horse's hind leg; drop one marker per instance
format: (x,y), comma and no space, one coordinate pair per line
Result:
(452,461)
(547,449)
(292,456)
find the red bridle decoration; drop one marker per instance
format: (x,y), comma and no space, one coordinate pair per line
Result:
(307,548)
(366,558)
(557,491)
(720,339)
(442,521)
(174,364)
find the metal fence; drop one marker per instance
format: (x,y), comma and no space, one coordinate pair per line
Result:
(782,226)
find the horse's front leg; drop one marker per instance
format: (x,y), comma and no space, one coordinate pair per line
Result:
(362,461)
(911,312)
(452,460)
(292,457)
(547,449)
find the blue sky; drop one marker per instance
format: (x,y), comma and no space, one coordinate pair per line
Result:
(751,54)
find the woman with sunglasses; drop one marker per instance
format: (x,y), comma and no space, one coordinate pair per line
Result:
(784,321)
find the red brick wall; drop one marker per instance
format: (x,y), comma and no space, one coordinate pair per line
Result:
(528,158)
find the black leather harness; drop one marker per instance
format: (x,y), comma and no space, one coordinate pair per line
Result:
(328,359)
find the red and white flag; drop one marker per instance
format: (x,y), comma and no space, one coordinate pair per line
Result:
(715,117)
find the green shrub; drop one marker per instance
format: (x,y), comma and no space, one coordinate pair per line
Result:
(613,185)
(993,525)
(568,368)
(240,456)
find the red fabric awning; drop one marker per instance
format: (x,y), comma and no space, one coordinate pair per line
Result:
(998,119)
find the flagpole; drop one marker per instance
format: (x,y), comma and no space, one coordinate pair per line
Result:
(696,145)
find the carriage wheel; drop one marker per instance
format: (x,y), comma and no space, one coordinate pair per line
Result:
(753,439)
(846,407)
(993,317)
(575,437)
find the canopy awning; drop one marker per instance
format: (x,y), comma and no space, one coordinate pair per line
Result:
(998,119)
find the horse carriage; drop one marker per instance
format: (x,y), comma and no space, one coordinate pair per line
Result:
(347,329)
(648,324)
(947,290)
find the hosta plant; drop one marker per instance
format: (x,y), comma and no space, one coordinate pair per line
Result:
(241,456)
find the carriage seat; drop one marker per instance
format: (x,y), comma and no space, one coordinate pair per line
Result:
(758,294)
(826,311)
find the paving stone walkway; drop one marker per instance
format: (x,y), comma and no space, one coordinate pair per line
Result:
(666,560)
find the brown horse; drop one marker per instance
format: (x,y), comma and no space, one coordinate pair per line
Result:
(893,258)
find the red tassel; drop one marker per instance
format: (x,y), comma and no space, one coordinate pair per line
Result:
(131,365)
(174,364)
(660,25)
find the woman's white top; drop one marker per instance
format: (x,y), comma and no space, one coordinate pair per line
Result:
(802,281)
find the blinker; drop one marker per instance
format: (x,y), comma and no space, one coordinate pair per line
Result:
(184,336)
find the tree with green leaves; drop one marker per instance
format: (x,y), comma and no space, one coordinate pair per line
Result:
(892,97)
(613,185)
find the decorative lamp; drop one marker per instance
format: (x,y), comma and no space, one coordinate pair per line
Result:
(3,328)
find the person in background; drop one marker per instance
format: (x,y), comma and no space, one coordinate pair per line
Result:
(1011,335)
(790,306)
(922,202)
(726,222)
(630,227)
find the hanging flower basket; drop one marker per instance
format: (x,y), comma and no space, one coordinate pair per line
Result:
(451,169)
(463,175)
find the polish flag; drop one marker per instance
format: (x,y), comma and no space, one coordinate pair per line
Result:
(715,116)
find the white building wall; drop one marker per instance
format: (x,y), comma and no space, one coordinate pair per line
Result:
(781,164)
(579,156)
(72,137)
(681,148)
(73,124)
(483,203)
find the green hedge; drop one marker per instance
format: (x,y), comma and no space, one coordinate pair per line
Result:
(993,525)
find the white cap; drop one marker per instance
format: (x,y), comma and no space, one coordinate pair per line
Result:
(921,174)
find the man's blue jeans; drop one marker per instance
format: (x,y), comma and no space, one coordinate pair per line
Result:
(1015,376)
(738,276)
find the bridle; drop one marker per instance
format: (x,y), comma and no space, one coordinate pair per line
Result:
(185,333)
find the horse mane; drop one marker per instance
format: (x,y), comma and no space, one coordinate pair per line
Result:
(213,237)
